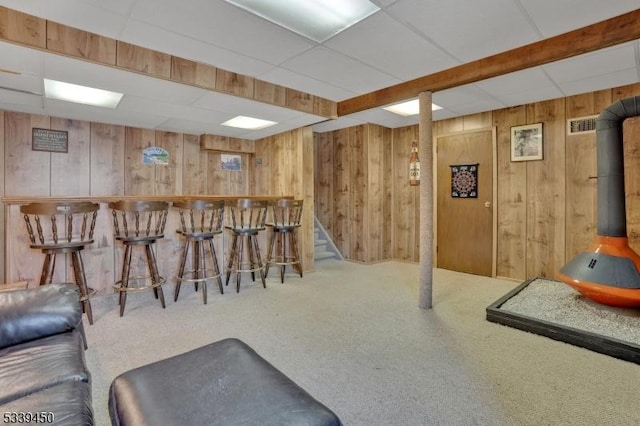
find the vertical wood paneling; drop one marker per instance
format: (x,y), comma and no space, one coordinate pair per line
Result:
(107,159)
(27,172)
(70,172)
(22,28)
(306,234)
(168,178)
(358,194)
(194,73)
(580,172)
(218,182)
(146,61)
(2,193)
(194,172)
(81,44)
(324,188)
(631,141)
(342,185)
(511,198)
(374,189)
(546,193)
(387,174)
(234,83)
(405,197)
(139,177)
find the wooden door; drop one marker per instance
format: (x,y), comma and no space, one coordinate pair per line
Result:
(465,220)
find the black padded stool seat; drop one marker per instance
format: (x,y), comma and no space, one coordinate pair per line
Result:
(223,383)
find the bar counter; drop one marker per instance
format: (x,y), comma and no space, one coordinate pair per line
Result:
(103,258)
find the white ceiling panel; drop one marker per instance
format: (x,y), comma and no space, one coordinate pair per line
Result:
(553,17)
(468,30)
(22,83)
(120,7)
(10,99)
(614,79)
(342,71)
(293,80)
(74,13)
(222,24)
(163,40)
(593,64)
(18,59)
(391,47)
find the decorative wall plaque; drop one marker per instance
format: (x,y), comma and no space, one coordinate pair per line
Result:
(49,140)
(155,155)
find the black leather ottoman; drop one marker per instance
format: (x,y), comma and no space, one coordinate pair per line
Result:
(223,383)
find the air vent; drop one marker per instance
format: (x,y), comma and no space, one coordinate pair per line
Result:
(581,125)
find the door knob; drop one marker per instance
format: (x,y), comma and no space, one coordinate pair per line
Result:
(487,204)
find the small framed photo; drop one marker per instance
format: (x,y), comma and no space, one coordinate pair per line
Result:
(526,142)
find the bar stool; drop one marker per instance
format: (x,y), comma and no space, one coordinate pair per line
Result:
(142,225)
(202,223)
(63,227)
(247,221)
(286,218)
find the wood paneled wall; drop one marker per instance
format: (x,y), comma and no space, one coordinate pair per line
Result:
(284,166)
(546,209)
(353,196)
(105,159)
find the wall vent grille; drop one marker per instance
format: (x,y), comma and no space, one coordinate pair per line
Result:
(581,125)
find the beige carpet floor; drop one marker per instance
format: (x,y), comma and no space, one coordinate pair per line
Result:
(353,336)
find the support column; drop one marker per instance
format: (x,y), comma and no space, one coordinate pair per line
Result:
(425,150)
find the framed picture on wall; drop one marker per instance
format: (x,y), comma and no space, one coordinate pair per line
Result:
(526,142)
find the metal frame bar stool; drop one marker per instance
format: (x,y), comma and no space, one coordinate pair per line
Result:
(247,221)
(76,221)
(200,222)
(286,218)
(139,224)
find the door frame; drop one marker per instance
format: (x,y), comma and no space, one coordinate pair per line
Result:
(494,195)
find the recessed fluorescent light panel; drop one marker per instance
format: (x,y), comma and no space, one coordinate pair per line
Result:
(409,108)
(250,123)
(318,20)
(81,94)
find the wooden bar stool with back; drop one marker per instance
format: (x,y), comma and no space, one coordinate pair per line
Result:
(247,221)
(139,224)
(200,222)
(283,248)
(63,228)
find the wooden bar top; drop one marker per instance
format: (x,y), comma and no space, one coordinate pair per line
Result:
(13,200)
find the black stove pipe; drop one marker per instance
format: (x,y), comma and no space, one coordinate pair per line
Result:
(612,218)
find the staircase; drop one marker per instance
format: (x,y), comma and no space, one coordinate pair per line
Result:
(324,247)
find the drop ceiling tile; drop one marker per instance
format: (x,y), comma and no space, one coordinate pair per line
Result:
(220,23)
(62,109)
(337,69)
(387,45)
(293,80)
(120,7)
(600,82)
(468,30)
(339,123)
(164,40)
(593,64)
(74,13)
(21,59)
(553,17)
(171,110)
(24,83)
(468,99)
(9,100)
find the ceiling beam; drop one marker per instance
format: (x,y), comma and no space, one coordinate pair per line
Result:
(603,34)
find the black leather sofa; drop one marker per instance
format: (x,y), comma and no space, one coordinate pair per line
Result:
(43,374)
